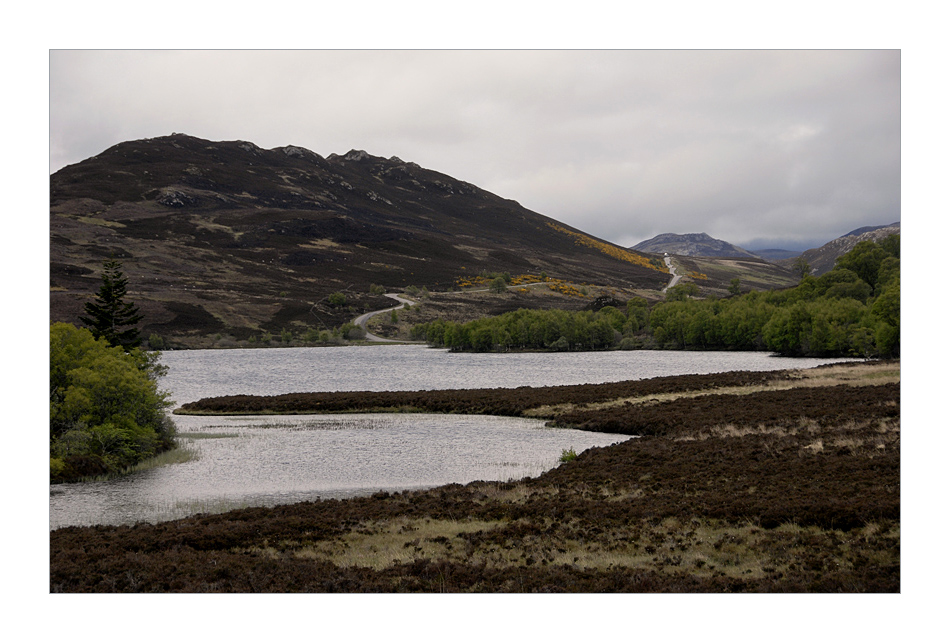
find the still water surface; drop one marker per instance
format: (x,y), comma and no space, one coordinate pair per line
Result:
(269,371)
(265,461)
(255,461)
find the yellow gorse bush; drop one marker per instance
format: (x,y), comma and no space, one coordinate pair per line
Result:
(471,282)
(607,249)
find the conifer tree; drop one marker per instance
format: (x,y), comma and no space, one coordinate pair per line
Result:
(110,316)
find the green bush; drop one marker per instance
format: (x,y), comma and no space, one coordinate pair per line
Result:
(351,331)
(567,455)
(56,468)
(106,412)
(498,285)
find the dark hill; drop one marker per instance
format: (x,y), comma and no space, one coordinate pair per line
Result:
(227,237)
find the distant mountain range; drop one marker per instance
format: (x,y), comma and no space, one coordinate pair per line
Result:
(697,244)
(820,259)
(823,259)
(224,237)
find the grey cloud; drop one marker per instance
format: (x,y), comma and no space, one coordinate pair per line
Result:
(743,145)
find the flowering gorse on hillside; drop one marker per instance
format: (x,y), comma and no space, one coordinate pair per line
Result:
(612,251)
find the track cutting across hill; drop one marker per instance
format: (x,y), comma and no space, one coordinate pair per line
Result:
(362,320)
(674,277)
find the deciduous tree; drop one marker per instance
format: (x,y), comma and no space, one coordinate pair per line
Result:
(800,265)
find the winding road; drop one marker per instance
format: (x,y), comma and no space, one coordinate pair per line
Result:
(405,303)
(362,319)
(675,278)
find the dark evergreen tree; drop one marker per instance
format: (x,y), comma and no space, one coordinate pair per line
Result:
(110,316)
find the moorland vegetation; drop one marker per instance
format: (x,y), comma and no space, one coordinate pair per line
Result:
(741,482)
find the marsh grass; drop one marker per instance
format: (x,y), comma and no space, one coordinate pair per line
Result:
(849,374)
(866,438)
(509,491)
(699,547)
(178,455)
(382,544)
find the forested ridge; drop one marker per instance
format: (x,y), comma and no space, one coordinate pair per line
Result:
(853,310)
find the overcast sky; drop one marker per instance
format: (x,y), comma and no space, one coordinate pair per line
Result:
(759,148)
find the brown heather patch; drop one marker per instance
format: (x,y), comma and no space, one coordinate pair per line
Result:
(793,490)
(850,374)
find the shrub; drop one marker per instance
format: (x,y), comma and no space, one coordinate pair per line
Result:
(351,331)
(337,299)
(106,411)
(56,468)
(567,455)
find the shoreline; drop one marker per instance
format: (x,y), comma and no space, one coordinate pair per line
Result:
(526,401)
(758,482)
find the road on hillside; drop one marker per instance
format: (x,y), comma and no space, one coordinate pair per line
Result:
(362,319)
(404,303)
(675,278)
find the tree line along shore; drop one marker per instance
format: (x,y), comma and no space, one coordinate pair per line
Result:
(852,310)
